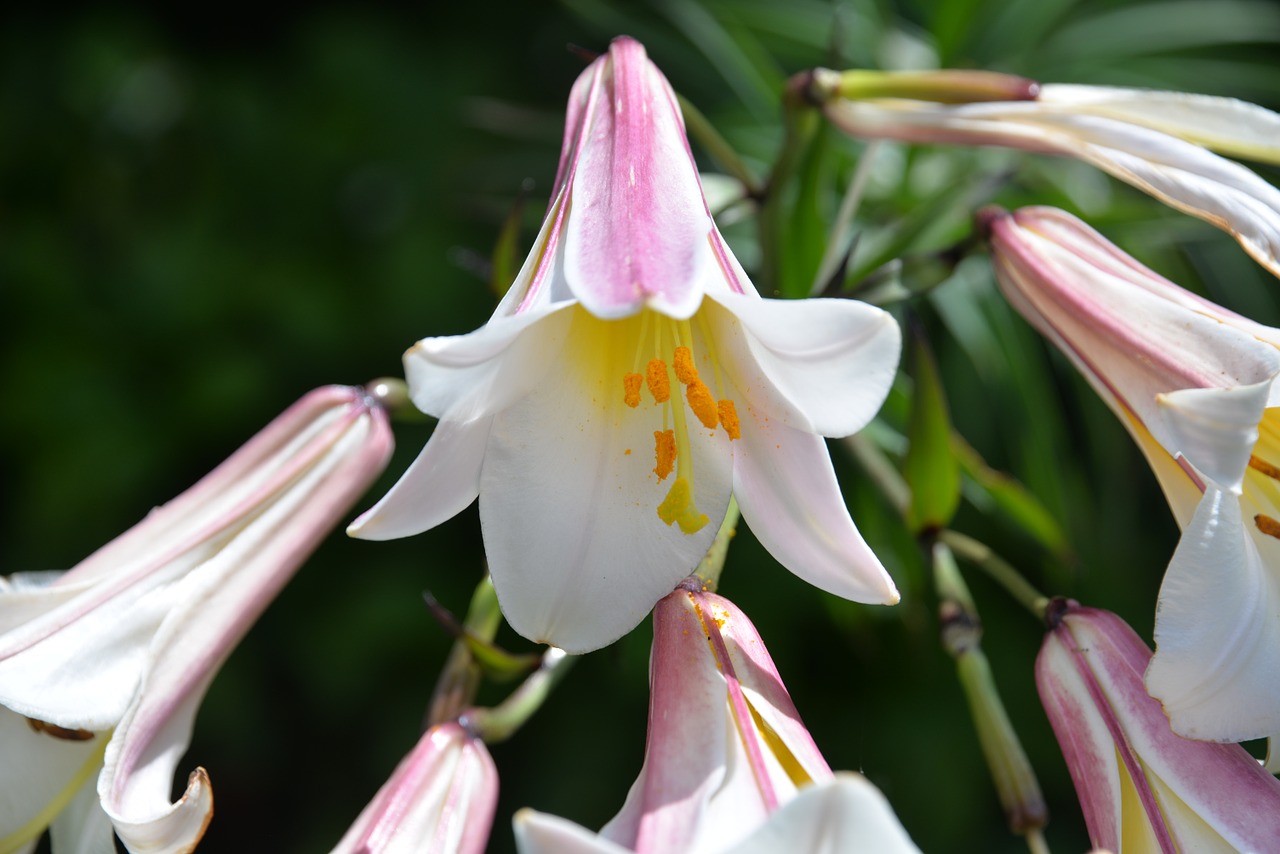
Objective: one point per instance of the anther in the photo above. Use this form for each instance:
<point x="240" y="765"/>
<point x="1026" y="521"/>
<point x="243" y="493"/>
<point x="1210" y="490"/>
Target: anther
<point x="664" y="443"/>
<point x="658" y="381"/>
<point x="729" y="418"/>
<point x="702" y="403"/>
<point x="686" y="371"/>
<point x="59" y="732"/>
<point x="1265" y="467"/>
<point x="631" y="389"/>
<point x="1265" y="524"/>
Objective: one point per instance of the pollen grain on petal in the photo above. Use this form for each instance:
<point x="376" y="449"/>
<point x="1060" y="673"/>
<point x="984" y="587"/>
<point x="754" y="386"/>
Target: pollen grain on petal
<point x="658" y="381"/>
<point x="729" y="418"/>
<point x="702" y="403"/>
<point x="664" y="442"/>
<point x="1267" y="525"/>
<point x="686" y="371"/>
<point x="631" y="389"/>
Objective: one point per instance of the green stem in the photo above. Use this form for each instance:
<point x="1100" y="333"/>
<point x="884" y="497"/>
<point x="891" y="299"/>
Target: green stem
<point x="708" y="571"/>
<point x="800" y="122"/>
<point x="501" y="721"/>
<point x="718" y="147"/>
<point x="1036" y="843"/>
<point x="460" y="679"/>
<point x="998" y="570"/>
<point x="876" y="464"/>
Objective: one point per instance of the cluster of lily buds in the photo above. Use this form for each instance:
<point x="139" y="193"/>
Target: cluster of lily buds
<point x="633" y="372"/>
<point x="729" y="766"/>
<point x="103" y="667"/>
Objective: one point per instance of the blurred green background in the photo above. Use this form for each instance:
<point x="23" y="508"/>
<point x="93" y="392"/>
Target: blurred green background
<point x="203" y="216"/>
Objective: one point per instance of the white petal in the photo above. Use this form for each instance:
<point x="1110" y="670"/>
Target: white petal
<point x="83" y="827"/>
<point x="465" y="377"/>
<point x="845" y="814"/>
<point x="1215" y="428"/>
<point x="788" y="492"/>
<point x="568" y="500"/>
<point x="438" y="485"/>
<point x="39" y="777"/>
<point x="540" y="833"/>
<point x="1217" y="663"/>
<point x="1228" y="125"/>
<point x="788" y="355"/>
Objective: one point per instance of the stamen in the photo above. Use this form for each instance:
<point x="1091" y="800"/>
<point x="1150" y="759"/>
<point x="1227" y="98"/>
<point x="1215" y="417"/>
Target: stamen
<point x="1265" y="524"/>
<point x="658" y="381"/>
<point x="631" y="389"/>
<point x="686" y="372"/>
<point x="729" y="418"/>
<point x="664" y="442"/>
<point x="1256" y="462"/>
<point x="58" y="731"/>
<point x="678" y="507"/>
<point x="701" y="402"/>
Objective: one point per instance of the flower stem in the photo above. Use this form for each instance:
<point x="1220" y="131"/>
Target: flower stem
<point x="998" y="570"/>
<point x="1036" y="843"/>
<point x="456" y="687"/>
<point x="718" y="147"/>
<point x="708" y="571"/>
<point x="501" y="721"/>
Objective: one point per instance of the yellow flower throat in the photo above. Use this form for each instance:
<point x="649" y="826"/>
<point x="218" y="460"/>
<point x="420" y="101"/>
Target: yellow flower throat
<point x="659" y="376"/>
<point x="1262" y="480"/>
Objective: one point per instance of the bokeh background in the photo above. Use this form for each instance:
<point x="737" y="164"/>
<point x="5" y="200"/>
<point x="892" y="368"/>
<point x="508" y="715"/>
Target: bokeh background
<point x="203" y="215"/>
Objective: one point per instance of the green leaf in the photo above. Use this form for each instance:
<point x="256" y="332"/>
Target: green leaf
<point x="930" y="468"/>
<point x="988" y="487"/>
<point x="505" y="263"/>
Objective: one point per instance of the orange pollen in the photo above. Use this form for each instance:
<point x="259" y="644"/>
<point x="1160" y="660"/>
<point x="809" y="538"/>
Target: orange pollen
<point x="686" y="372"/>
<point x="664" y="444"/>
<point x="1259" y="464"/>
<point x="631" y="389"/>
<point x="1267" y="525"/>
<point x="702" y="403"/>
<point x="729" y="418"/>
<point x="657" y="380"/>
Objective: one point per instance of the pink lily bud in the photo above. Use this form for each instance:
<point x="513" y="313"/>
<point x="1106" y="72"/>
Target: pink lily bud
<point x="110" y="660"/>
<point x="1195" y="385"/>
<point x="440" y="799"/>
<point x="729" y="765"/>
<point x="629" y="382"/>
<point x="1141" y="786"/>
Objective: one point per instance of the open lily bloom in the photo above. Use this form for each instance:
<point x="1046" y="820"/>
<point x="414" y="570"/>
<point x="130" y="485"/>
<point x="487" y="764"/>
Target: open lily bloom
<point x="1195" y="386"/>
<point x="728" y="767"/>
<point x="629" y="381"/>
<point x="440" y="799"/>
<point x="108" y="662"/>
<point x="1142" y="787"/>
<point x="1157" y="141"/>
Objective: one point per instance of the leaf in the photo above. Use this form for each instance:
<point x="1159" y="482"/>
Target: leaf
<point x="930" y="467"/>
<point x="987" y="486"/>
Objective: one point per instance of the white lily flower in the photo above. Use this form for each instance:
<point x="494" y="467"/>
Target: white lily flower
<point x="1195" y="386"/>
<point x="629" y="381"/>
<point x="728" y="767"/>
<point x="1156" y="141"/>
<point x="108" y="662"/>
<point x="440" y="799"/>
<point x="1141" y="786"/>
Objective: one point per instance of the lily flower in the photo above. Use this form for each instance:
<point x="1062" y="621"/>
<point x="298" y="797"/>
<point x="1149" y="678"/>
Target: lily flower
<point x="1141" y="786"/>
<point x="1157" y="141"/>
<point x="108" y="661"/>
<point x="441" y="799"/>
<point x="630" y="380"/>
<point x="728" y="767"/>
<point x="1195" y="386"/>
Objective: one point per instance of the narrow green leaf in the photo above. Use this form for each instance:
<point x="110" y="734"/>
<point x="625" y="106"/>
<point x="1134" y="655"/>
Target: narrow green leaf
<point x="989" y="487"/>
<point x="507" y="256"/>
<point x="930" y="467"/>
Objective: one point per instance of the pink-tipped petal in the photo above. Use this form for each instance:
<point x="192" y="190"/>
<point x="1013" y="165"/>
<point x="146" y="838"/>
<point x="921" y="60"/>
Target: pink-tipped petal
<point x="638" y="228"/>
